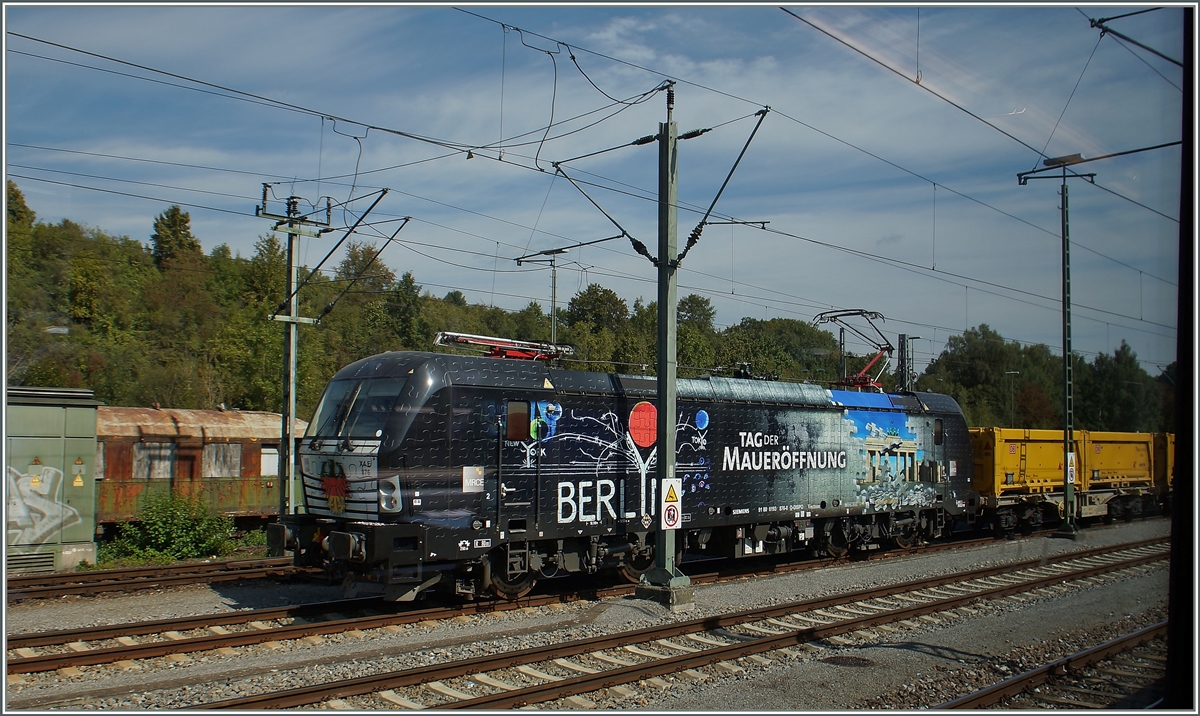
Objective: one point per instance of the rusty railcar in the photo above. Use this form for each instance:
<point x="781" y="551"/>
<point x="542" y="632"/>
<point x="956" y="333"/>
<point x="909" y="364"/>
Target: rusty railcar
<point x="229" y="459"/>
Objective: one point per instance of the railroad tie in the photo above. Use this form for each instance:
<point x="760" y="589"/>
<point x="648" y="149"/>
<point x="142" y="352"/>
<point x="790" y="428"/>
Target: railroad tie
<point x="1138" y="664"/>
<point x="394" y="698"/>
<point x="856" y="610"/>
<point x="79" y="646"/>
<point x="677" y="647"/>
<point x="618" y="691"/>
<point x="693" y="675"/>
<point x="339" y="705"/>
<point x="762" y="630"/>
<point x="810" y="620"/>
<point x="530" y="671"/>
<point x="576" y="666"/>
<point x="949" y="591"/>
<point x="444" y="690"/>
<point x="490" y="681"/>
<point x="1088" y="692"/>
<point x="612" y="659"/>
<point x="174" y="635"/>
<point x="634" y="649"/>
<point x="1068" y="702"/>
<point x="218" y="630"/>
<point x="706" y="640"/>
<point x="1127" y="674"/>
<point x="26" y="653"/>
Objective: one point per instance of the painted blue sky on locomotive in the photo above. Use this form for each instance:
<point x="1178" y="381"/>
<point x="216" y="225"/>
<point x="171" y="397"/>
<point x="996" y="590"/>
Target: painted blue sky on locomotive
<point x="419" y="437"/>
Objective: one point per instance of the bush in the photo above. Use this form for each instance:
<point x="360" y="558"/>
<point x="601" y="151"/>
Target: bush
<point x="169" y="527"/>
<point x="254" y="538"/>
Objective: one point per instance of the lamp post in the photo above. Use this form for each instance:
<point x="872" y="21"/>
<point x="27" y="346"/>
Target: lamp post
<point x="1012" y="403"/>
<point x="1068" y="527"/>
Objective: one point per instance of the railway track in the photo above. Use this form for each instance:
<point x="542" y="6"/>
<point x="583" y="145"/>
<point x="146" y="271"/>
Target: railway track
<point x="44" y="586"/>
<point x="1124" y="673"/>
<point x="53" y="650"/>
<point x="611" y="663"/>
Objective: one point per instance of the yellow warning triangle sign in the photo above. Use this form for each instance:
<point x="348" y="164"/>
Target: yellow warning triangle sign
<point x="671" y="496"/>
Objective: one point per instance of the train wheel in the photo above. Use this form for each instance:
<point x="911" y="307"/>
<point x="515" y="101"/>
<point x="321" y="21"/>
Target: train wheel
<point x="633" y="569"/>
<point x="515" y="588"/>
<point x="905" y="539"/>
<point x="506" y="587"/>
<point x="835" y="543"/>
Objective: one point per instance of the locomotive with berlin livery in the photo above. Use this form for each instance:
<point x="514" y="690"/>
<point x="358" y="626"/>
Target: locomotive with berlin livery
<point x="483" y="473"/>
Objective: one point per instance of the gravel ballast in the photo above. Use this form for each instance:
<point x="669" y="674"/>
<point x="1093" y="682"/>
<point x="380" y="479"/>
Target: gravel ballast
<point x="911" y="668"/>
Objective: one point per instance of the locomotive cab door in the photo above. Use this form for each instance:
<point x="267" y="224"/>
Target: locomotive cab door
<point x="520" y="456"/>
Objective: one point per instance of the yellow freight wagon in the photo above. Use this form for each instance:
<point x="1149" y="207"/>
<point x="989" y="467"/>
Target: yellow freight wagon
<point x="1118" y="474"/>
<point x="1019" y="474"/>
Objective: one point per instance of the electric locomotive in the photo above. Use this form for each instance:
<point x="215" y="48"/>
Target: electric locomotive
<point x="483" y="473"/>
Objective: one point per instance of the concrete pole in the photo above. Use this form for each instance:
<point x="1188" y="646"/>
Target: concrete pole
<point x="287" y="459"/>
<point x="665" y="582"/>
<point x="1068" y="527"/>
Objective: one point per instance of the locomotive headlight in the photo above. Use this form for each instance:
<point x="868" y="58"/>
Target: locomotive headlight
<point x="389" y="495"/>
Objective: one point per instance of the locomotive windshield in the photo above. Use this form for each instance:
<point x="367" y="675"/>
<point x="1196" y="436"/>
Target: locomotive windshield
<point x="355" y="408"/>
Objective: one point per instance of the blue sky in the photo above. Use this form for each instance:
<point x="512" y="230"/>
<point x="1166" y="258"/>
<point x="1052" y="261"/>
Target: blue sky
<point x="879" y="194"/>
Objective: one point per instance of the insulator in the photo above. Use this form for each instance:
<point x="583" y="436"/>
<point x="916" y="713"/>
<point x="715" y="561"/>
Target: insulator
<point x="671" y="96"/>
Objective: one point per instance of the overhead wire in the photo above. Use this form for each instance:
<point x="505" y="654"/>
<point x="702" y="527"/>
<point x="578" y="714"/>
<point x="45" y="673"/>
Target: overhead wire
<point x="1068" y="102"/>
<point x="535" y="158"/>
<point x="707" y="88"/>
<point x="957" y="106"/>
<point x="908" y="266"/>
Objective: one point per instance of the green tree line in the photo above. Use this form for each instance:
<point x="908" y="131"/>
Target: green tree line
<point x="164" y="323"/>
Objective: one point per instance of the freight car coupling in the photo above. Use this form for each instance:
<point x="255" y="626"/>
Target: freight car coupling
<point x="472" y="474"/>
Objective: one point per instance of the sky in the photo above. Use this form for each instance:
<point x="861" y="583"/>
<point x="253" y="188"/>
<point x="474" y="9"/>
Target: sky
<point x="883" y="177"/>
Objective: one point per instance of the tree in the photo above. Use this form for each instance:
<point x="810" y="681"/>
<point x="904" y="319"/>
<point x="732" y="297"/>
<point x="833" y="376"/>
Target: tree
<point x="361" y="265"/>
<point x="696" y="311"/>
<point x="531" y="324"/>
<point x="455" y="298"/>
<point x="1115" y="393"/>
<point x="172" y="236"/>
<point x="598" y="306"/>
